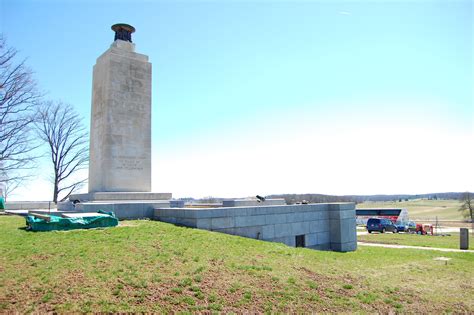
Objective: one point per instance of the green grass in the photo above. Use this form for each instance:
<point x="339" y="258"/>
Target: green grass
<point x="448" y="241"/>
<point x="422" y="208"/>
<point x="147" y="266"/>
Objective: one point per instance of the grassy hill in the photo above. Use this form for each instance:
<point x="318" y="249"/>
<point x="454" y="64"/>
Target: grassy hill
<point x="154" y="266"/>
<point x="422" y="208"/>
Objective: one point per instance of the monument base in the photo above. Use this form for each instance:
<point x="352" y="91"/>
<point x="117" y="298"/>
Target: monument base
<point x="126" y="209"/>
<point x="125" y="205"/>
<point x="119" y="196"/>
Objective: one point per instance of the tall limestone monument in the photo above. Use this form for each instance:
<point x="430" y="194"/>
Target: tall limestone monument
<point x="120" y="136"/>
<point x="120" y="143"/>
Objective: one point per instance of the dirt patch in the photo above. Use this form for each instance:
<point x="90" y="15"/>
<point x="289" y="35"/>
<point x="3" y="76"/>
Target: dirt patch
<point x="41" y="256"/>
<point x="128" y="224"/>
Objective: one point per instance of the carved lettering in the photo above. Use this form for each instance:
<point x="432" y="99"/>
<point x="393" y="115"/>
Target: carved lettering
<point x="129" y="162"/>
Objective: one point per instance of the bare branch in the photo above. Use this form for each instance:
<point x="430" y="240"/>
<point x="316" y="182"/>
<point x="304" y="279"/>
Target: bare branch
<point x="61" y="128"/>
<point x="18" y="100"/>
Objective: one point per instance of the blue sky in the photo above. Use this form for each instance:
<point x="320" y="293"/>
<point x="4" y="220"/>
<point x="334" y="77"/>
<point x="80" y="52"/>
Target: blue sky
<point x="354" y="97"/>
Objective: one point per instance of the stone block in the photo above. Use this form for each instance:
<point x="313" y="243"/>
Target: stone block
<point x="167" y="219"/>
<point x="268" y="231"/>
<point x="222" y="223"/>
<point x="29" y="205"/>
<point x="311" y="239"/>
<point x="186" y="222"/>
<point x="147" y="212"/>
<point x="283" y="230"/>
<point x="185" y="213"/>
<point x="318" y="226"/>
<point x="66" y="206"/>
<point x="120" y="196"/>
<point x="223" y="212"/>
<point x="321" y="247"/>
<point x="240" y="212"/>
<point x="311" y="216"/>
<point x="299" y="228"/>
<point x="94" y="207"/>
<point x="341" y="206"/>
<point x="180" y="213"/>
<point x="252" y="202"/>
<point x="323" y="238"/>
<point x="290" y="208"/>
<point x="156" y="203"/>
<point x="256" y="210"/>
<point x="207" y="213"/>
<point x="250" y="220"/>
<point x="129" y="210"/>
<point x="275" y="218"/>
<point x="295" y="217"/>
<point x="159" y="212"/>
<point x="278" y="209"/>
<point x="343" y="230"/>
<point x="203" y="224"/>
<point x="324" y="215"/>
<point x="344" y="247"/>
<point x="343" y="214"/>
<point x="305" y="208"/>
<point x="250" y="231"/>
<point x="177" y="213"/>
<point x="319" y="206"/>
<point x="177" y="203"/>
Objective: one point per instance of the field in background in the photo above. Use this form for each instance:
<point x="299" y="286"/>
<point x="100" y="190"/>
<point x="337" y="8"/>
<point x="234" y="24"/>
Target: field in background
<point x="145" y="266"/>
<point x="422" y="209"/>
<point x="448" y="241"/>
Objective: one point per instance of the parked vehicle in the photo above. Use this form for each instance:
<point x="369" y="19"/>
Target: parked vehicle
<point x="411" y="227"/>
<point x="381" y="225"/>
<point x="424" y="229"/>
<point x="401" y="227"/>
<point x="408" y="227"/>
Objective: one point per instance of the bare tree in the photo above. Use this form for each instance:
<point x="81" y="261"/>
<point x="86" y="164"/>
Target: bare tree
<point x="18" y="100"/>
<point x="467" y="207"/>
<point x="12" y="184"/>
<point x="62" y="129"/>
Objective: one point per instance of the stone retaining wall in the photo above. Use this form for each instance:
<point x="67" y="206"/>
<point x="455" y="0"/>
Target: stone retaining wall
<point x="29" y="205"/>
<point x="322" y="226"/>
<point x="124" y="209"/>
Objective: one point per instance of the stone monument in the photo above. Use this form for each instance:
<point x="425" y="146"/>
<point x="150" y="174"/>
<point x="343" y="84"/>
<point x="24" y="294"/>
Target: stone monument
<point x="120" y="135"/>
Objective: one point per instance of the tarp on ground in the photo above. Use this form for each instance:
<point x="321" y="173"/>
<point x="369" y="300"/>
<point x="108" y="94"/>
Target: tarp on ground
<point x="57" y="223"/>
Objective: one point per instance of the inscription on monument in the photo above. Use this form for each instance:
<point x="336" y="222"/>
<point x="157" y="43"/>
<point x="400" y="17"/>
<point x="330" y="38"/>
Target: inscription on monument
<point x="129" y="162"/>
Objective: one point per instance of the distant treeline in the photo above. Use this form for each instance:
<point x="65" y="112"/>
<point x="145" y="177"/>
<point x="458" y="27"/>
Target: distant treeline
<point x="317" y="198"/>
<point x="320" y="198"/>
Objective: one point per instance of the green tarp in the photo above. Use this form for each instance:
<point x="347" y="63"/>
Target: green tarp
<point x="2" y="203"/>
<point x="57" y="223"/>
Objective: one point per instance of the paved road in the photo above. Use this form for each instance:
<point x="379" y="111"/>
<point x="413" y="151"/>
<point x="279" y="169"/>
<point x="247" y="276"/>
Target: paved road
<point x="415" y="247"/>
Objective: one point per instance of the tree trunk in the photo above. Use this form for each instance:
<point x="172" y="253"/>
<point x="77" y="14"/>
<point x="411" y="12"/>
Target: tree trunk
<point x="55" y="192"/>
